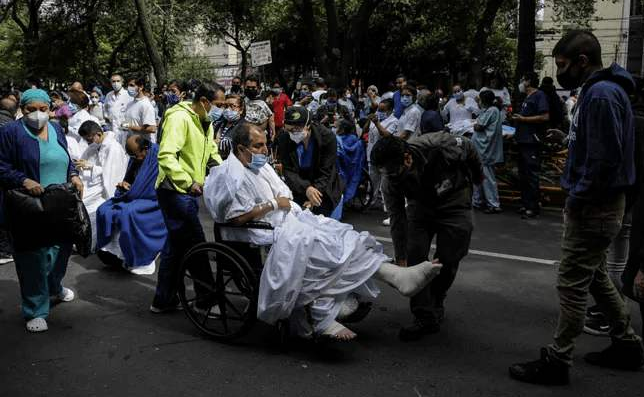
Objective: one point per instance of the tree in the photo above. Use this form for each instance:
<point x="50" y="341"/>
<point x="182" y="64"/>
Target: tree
<point x="150" y="42"/>
<point x="526" y="48"/>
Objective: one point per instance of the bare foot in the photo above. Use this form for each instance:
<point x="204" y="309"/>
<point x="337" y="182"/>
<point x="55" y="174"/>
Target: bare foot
<point x="339" y="332"/>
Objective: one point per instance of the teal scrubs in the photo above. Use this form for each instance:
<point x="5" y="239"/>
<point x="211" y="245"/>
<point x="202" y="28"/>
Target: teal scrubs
<point x="41" y="271"/>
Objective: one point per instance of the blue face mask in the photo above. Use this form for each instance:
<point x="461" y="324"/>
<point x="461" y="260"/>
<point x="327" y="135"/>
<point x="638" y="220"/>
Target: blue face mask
<point x="72" y="107"/>
<point x="381" y="115"/>
<point x="215" y="114"/>
<point x="172" y="99"/>
<point x="231" y="115"/>
<point x="257" y="161"/>
<point x="406" y="100"/>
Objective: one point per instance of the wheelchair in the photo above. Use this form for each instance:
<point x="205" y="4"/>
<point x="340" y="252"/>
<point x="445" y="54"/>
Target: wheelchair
<point x="219" y="284"/>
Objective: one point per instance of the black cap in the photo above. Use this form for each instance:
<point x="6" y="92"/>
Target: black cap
<point x="297" y="115"/>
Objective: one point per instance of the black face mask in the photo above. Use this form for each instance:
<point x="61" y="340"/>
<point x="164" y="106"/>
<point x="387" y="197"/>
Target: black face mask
<point x="569" y="80"/>
<point x="251" y="93"/>
<point x="235" y="88"/>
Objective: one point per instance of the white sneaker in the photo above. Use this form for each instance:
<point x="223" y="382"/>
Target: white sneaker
<point x="37" y="325"/>
<point x="4" y="259"/>
<point x="66" y="295"/>
<point x="386" y="222"/>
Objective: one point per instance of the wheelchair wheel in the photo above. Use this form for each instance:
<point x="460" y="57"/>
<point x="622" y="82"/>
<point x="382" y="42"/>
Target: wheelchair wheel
<point x="364" y="194"/>
<point x="218" y="291"/>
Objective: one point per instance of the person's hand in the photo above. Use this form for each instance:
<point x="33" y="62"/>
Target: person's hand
<point x="373" y="118"/>
<point x="52" y="115"/>
<point x="78" y="184"/>
<point x="82" y="164"/>
<point x="196" y="189"/>
<point x="517" y="117"/>
<point x="401" y="262"/>
<point x="123" y="185"/>
<point x="638" y="286"/>
<point x="33" y="187"/>
<point x="324" y="120"/>
<point x="307" y="205"/>
<point x="314" y="196"/>
<point x="283" y="203"/>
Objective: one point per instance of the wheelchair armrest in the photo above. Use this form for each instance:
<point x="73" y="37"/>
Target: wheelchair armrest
<point x="247" y="225"/>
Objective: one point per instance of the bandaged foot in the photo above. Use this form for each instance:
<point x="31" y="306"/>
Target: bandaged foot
<point x="408" y="280"/>
<point x="338" y="332"/>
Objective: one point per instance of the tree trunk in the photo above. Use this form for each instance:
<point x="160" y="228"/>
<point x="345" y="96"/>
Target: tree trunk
<point x="316" y="42"/>
<point x="332" y="47"/>
<point x="150" y="43"/>
<point x="244" y="63"/>
<point x="479" y="44"/>
<point x="526" y="50"/>
<point x="354" y="38"/>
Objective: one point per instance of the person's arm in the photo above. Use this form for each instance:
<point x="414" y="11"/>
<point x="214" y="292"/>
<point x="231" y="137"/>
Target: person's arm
<point x="260" y="210"/>
<point x="483" y="121"/>
<point x="378" y="125"/>
<point x="174" y="138"/>
<point x="395" y="202"/>
<point x="149" y="119"/>
<point x="10" y="178"/>
<point x="604" y="148"/>
<point x="538" y="119"/>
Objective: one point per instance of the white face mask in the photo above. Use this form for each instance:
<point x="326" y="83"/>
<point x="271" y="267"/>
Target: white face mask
<point x="37" y="119"/>
<point x="296" y="136"/>
<point x="133" y="91"/>
<point x="522" y="87"/>
<point x="117" y="86"/>
<point x="94" y="101"/>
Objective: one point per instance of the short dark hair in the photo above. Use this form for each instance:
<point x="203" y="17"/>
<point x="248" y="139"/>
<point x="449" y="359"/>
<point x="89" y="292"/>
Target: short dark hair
<point x="252" y="78"/>
<point x="428" y="101"/>
<point x="240" y="134"/>
<point x="346" y="127"/>
<point x="389" y="152"/>
<point x="139" y="81"/>
<point x="487" y="97"/>
<point x="206" y="90"/>
<point x="401" y="76"/>
<point x="389" y="103"/>
<point x="89" y="128"/>
<point x="533" y="78"/>
<point x="78" y="98"/>
<point x="578" y="42"/>
<point x="409" y="88"/>
<point x="331" y="92"/>
<point x="142" y="143"/>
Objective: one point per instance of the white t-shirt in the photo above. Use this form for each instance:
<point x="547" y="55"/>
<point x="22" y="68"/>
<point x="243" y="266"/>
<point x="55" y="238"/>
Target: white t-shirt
<point x="114" y="107"/>
<point x="390" y="124"/>
<point x="140" y="112"/>
<point x="410" y="120"/>
<point x="457" y="112"/>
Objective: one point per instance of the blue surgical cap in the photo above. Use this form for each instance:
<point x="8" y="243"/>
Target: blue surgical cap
<point x="34" y="95"/>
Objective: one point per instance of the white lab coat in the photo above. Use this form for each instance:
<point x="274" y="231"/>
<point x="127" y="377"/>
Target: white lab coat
<point x="313" y="261"/>
<point x="108" y="163"/>
<point x="76" y="145"/>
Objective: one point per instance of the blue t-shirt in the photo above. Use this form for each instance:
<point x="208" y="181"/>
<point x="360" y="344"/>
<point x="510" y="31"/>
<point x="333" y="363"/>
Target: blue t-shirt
<point x="431" y="121"/>
<point x="54" y="161"/>
<point x="533" y="105"/>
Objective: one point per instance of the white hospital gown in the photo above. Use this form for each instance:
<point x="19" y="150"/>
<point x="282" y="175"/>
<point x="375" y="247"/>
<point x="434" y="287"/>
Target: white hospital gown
<point x="313" y="261"/>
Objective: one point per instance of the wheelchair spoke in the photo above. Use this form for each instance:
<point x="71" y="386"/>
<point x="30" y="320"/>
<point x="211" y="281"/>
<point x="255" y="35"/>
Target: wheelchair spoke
<point x="207" y="286"/>
<point x="232" y="306"/>
<point x="200" y="298"/>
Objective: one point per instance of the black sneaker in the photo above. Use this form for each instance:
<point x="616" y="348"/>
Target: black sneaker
<point x="596" y="325"/>
<point x="544" y="371"/>
<point x="626" y="355"/>
<point x="492" y="210"/>
<point x="521" y="210"/>
<point x="529" y="214"/>
<point x="417" y="330"/>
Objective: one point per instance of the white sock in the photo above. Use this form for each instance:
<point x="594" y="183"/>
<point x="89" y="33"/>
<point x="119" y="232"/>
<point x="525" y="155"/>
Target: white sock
<point x="408" y="280"/>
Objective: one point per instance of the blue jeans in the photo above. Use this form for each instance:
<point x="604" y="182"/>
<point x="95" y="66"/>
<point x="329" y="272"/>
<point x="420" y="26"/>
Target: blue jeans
<point x="40" y="273"/>
<point x="181" y="215"/>
<point x="487" y="192"/>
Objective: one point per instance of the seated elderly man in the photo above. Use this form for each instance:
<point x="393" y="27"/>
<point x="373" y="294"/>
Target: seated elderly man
<point x="130" y="225"/>
<point x="314" y="262"/>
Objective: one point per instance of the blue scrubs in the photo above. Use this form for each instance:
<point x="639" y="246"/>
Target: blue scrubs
<point x="41" y="271"/>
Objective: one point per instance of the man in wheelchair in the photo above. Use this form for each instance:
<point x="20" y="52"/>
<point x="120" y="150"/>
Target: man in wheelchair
<point x="315" y="264"/>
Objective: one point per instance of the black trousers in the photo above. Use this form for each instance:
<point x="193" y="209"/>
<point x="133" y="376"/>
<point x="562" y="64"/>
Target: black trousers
<point x="453" y="231"/>
<point x="5" y="243"/>
<point x="529" y="168"/>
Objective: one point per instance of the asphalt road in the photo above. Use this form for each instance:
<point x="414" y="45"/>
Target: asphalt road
<point x="500" y="311"/>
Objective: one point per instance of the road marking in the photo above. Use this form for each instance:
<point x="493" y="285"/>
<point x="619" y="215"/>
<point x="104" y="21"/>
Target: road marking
<point x="548" y="262"/>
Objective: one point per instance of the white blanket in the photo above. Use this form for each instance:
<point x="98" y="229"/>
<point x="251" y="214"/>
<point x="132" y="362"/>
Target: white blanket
<point x="313" y="261"/>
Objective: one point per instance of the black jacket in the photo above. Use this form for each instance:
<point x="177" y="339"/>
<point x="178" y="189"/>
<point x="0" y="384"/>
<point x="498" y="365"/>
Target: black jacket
<point x="6" y="117"/>
<point x="323" y="174"/>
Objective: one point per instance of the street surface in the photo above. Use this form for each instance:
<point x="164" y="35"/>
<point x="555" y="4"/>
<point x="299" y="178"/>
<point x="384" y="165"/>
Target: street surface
<point x="499" y="311"/>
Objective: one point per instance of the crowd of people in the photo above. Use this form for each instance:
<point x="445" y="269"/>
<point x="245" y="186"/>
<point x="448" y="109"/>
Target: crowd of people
<point x="142" y="162"/>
